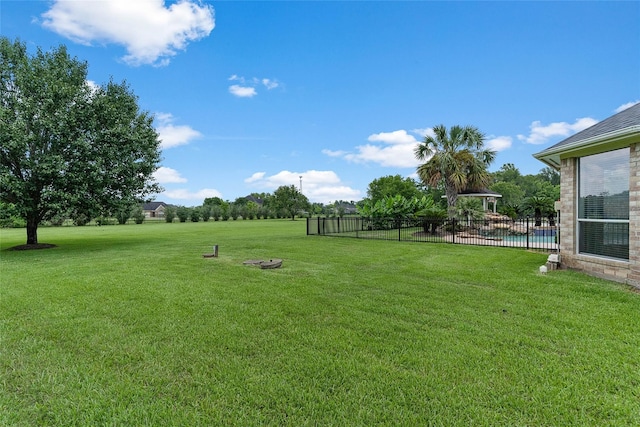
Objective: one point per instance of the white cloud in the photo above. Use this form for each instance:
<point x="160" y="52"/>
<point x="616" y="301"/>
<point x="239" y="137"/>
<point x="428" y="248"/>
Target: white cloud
<point x="540" y="133"/>
<point x="318" y="186"/>
<point x="499" y="143"/>
<point x="171" y="135"/>
<point x="423" y="132"/>
<point x="187" y="195"/>
<point x="627" y="105"/>
<point x="397" y="149"/>
<point x="398" y="156"/>
<point x="394" y="149"/>
<point x="270" y="84"/>
<point x="166" y="175"/>
<point x="331" y="153"/>
<point x="150" y="32"/>
<point x="328" y="194"/>
<point x="395" y="137"/>
<point x="247" y="88"/>
<point x="242" y="91"/>
<point x="255" y="177"/>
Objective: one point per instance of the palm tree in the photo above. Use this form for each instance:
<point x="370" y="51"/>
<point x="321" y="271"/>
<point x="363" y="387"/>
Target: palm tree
<point x="541" y="206"/>
<point x="457" y="159"/>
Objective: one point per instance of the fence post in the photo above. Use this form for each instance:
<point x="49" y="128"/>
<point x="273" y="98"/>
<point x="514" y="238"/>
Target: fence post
<point x="527" y="232"/>
<point x="399" y="230"/>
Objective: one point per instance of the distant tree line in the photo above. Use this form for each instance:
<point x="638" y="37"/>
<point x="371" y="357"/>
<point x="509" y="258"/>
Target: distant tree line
<point x="522" y="195"/>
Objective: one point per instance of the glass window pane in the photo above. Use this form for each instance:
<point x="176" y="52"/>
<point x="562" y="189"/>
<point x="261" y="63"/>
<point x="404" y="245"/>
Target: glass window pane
<point x="604" y="239"/>
<point x="604" y="186"/>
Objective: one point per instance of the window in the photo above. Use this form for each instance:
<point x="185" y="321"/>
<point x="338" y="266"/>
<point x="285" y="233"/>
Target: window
<point x="603" y="204"/>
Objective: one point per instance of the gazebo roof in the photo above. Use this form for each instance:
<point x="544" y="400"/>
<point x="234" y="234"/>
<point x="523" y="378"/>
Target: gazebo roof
<point x="479" y="193"/>
<point x="486" y="195"/>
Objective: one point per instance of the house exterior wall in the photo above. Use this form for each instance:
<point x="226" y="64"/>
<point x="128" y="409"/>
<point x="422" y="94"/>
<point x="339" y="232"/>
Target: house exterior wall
<point x="158" y="213"/>
<point x="634" y="215"/>
<point x="621" y="271"/>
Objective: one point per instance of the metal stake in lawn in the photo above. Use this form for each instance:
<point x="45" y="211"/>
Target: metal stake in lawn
<point x="214" y="254"/>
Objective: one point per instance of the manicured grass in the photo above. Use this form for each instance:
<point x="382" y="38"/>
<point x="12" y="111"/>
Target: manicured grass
<point x="129" y="325"/>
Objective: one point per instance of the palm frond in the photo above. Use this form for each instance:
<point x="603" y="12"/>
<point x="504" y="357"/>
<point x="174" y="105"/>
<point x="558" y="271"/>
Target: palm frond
<point x="456" y="157"/>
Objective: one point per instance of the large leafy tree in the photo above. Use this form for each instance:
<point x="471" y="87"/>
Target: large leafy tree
<point x="526" y="193"/>
<point x="391" y="186"/>
<point x="550" y="175"/>
<point x="67" y="146"/>
<point x="455" y="158"/>
<point x="508" y="173"/>
<point x="289" y="199"/>
<point x="512" y="194"/>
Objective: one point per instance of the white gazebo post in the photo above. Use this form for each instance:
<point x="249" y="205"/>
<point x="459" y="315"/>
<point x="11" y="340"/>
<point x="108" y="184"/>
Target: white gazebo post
<point x="494" y="201"/>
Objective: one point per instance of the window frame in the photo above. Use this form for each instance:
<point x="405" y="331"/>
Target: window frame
<point x="581" y="218"/>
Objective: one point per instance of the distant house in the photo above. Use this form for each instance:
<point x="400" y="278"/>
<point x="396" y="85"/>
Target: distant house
<point x="600" y="197"/>
<point x="256" y="200"/>
<point x="154" y="209"/>
<point x="346" y="208"/>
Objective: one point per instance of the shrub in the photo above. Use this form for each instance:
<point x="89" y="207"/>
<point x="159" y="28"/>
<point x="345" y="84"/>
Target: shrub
<point x="13" y="222"/>
<point x="124" y="213"/>
<point x="137" y="214"/>
<point x="101" y="220"/>
<point x="195" y="214"/>
<point x="183" y="213"/>
<point x="81" y="220"/>
<point x="57" y="220"/>
<point x="205" y="212"/>
<point x="216" y="212"/>
<point x="169" y="213"/>
<point x="234" y="211"/>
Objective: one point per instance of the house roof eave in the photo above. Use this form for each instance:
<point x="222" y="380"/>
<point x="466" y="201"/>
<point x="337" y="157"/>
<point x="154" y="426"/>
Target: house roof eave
<point x="618" y="139"/>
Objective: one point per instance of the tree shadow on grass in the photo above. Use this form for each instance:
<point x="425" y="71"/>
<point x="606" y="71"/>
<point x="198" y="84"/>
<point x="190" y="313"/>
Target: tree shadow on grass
<point x="32" y="247"/>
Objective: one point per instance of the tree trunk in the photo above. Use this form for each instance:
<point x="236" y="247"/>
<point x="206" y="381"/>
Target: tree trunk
<point x="538" y="217"/>
<point x="32" y="231"/>
<point x="452" y="198"/>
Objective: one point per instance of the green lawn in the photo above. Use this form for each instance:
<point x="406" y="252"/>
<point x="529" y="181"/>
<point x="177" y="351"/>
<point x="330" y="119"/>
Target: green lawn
<point x="130" y="326"/>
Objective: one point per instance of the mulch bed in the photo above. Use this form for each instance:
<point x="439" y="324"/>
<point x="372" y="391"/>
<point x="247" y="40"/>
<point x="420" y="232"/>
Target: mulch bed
<point x="32" y="247"/>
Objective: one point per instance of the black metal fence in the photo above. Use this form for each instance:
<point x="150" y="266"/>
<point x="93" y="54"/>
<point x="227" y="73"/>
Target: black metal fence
<point x="543" y="235"/>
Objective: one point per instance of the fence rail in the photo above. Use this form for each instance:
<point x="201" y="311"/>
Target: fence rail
<point x="543" y="235"/>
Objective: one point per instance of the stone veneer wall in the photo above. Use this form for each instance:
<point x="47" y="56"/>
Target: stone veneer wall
<point x="621" y="271"/>
<point x="568" y="178"/>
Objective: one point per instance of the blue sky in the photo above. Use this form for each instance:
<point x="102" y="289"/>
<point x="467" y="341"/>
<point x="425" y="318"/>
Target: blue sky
<point x="249" y="96"/>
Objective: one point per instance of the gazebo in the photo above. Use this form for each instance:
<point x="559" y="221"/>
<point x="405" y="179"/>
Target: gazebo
<point x="488" y="198"/>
